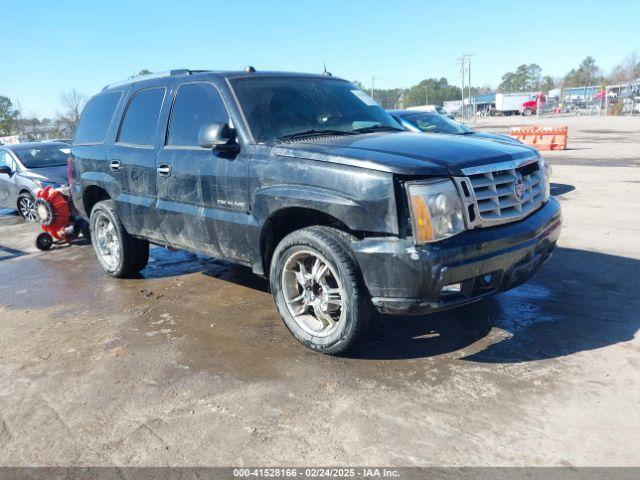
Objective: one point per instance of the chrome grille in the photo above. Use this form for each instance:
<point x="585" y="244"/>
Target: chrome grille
<point x="493" y="194"/>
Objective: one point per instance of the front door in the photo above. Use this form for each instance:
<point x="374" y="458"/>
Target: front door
<point x="132" y="162"/>
<point x="199" y="190"/>
<point x="7" y="183"/>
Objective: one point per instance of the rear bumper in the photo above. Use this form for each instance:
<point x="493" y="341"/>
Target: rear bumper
<point x="403" y="278"/>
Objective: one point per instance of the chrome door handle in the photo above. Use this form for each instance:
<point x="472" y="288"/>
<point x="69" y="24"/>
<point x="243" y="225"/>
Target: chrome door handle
<point x="115" y="165"/>
<point x="164" y="169"/>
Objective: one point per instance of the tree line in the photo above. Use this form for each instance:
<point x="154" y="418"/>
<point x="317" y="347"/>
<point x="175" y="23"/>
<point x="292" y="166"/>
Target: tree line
<point x="14" y="122"/>
<point x="525" y="78"/>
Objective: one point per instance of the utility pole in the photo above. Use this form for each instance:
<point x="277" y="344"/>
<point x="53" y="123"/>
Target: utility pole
<point x="468" y="57"/>
<point x="373" y="79"/>
<point x="426" y="95"/>
<point x="462" y="83"/>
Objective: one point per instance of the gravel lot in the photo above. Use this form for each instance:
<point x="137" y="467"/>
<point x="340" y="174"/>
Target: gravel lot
<point x="191" y="365"/>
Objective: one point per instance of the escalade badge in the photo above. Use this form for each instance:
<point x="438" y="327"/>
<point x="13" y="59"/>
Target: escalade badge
<point x="519" y="188"/>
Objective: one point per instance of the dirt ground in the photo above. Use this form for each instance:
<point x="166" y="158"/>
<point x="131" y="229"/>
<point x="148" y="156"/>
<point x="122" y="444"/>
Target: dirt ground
<point x="191" y="365"/>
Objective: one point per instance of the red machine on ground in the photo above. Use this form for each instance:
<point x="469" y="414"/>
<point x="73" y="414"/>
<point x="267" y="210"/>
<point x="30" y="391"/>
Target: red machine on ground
<point x="58" y="218"/>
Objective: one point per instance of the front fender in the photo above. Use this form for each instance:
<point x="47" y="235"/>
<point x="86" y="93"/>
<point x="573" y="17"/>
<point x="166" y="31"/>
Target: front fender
<point x="373" y="213"/>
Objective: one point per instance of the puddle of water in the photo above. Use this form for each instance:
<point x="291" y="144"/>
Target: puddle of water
<point x="522" y="307"/>
<point x="164" y="262"/>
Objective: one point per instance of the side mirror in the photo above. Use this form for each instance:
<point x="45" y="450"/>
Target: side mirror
<point x="6" y="170"/>
<point x="219" y="136"/>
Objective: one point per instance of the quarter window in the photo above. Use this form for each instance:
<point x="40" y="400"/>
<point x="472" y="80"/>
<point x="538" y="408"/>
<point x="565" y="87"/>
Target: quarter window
<point x="141" y="118"/>
<point x="196" y="104"/>
<point x="96" y="118"/>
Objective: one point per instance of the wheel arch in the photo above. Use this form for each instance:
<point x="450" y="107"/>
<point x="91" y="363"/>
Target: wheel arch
<point x="287" y="220"/>
<point x="91" y="195"/>
<point x="24" y="190"/>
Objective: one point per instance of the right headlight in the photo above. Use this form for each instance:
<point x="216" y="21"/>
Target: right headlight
<point x="546" y="169"/>
<point x="436" y="210"/>
<point x="44" y="183"/>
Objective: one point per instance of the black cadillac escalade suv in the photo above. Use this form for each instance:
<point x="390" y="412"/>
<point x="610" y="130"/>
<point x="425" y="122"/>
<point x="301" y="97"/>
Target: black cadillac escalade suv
<point x="309" y="182"/>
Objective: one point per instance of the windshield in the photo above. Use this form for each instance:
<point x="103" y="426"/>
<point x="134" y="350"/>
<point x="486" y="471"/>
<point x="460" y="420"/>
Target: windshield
<point x="42" y="156"/>
<point x="277" y="106"/>
<point x="435" y="123"/>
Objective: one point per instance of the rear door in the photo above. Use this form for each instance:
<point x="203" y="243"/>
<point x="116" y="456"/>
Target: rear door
<point x="199" y="197"/>
<point x="132" y="161"/>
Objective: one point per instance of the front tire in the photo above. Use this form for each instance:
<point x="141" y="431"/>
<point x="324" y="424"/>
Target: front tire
<point x="318" y="289"/>
<point x="119" y="254"/>
<point x="27" y="207"/>
<point x="527" y="112"/>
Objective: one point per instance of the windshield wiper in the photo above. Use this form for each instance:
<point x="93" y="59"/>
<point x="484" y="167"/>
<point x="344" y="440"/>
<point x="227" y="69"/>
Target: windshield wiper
<point x="312" y="133"/>
<point x="378" y="128"/>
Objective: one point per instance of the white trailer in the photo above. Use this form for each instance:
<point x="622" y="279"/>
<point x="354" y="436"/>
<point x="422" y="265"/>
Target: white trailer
<point x="511" y="103"/>
<point x="453" y="106"/>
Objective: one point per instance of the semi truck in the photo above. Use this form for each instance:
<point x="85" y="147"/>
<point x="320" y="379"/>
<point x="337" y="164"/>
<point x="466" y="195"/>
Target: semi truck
<point x="517" y="103"/>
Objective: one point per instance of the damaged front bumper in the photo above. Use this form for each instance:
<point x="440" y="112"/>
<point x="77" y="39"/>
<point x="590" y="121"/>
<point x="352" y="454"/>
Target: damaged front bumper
<point x="404" y="278"/>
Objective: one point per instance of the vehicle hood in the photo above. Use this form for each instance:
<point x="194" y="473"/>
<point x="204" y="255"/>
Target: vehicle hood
<point x="48" y="174"/>
<point x="406" y="153"/>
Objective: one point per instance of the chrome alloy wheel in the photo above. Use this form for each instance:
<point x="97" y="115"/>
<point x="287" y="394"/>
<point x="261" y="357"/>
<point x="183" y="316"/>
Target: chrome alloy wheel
<point x="106" y="241"/>
<point x="313" y="293"/>
<point x="27" y="209"/>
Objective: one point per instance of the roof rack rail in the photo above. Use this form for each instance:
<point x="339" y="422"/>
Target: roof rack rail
<point x="149" y="76"/>
<point x="180" y="71"/>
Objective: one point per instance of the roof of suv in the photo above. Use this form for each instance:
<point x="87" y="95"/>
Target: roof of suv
<point x="214" y="73"/>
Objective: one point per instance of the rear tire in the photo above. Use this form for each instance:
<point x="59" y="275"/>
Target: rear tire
<point x="319" y="291"/>
<point x="119" y="254"/>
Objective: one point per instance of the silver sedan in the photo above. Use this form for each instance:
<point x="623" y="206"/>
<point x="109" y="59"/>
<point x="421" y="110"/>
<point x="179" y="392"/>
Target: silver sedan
<point x="26" y="167"/>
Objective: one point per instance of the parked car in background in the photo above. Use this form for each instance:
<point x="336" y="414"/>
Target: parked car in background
<point x="428" y="122"/>
<point x="308" y="181"/>
<point x="25" y="167"/>
<point x="432" y="108"/>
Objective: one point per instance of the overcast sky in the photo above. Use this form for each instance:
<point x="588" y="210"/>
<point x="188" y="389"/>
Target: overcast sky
<point x="52" y="47"/>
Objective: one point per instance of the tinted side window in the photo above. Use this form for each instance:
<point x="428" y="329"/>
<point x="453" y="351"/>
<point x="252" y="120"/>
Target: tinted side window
<point x="141" y="118"/>
<point x="96" y="118"/>
<point x="3" y="159"/>
<point x="196" y="104"/>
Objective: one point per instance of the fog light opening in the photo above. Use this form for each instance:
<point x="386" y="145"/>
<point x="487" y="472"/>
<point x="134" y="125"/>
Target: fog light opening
<point x="452" y="288"/>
